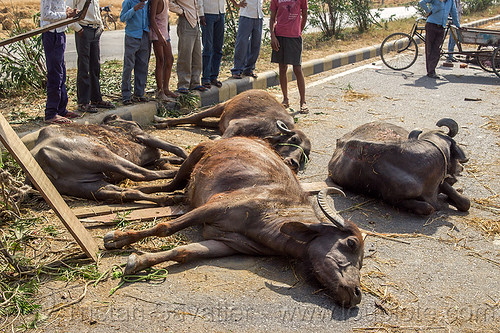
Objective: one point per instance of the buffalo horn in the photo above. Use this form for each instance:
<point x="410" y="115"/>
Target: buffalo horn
<point x="282" y="127"/>
<point x="451" y="124"/>
<point x="414" y="134"/>
<point x="328" y="210"/>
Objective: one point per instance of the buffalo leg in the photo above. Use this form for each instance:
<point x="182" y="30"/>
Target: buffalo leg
<point x="153" y="142"/>
<point x="117" y="239"/>
<point x="417" y="206"/>
<point x="461" y="202"/>
<point x="204" y="249"/>
<point x="196" y="118"/>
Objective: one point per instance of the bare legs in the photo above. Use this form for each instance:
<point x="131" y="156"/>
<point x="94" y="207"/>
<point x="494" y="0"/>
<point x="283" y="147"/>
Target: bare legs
<point x="163" y="70"/>
<point x="301" y="85"/>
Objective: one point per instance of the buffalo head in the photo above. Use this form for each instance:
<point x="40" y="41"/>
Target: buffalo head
<point x="292" y="145"/>
<point x="334" y="251"/>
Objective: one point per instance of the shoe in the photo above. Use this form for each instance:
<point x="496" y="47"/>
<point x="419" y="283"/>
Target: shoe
<point x="199" y="88"/>
<point x="216" y="83"/>
<point x="183" y="90"/>
<point x="251" y="74"/>
<point x="434" y="76"/>
<point x="207" y="85"/>
<point x="57" y="119"/>
<point x="452" y="59"/>
<point x="103" y="105"/>
<point x="140" y="99"/>
<point x="237" y="76"/>
<point x="71" y="115"/>
<point x="86" y="108"/>
<point x="127" y="102"/>
<point x="304" y="109"/>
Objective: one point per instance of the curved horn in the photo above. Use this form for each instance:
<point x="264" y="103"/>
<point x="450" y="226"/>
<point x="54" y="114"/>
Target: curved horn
<point x="282" y="127"/>
<point x="328" y="210"/>
<point x="451" y="124"/>
<point x="414" y="134"/>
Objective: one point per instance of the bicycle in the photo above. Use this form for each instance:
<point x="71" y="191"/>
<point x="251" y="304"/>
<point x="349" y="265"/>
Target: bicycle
<point x="108" y="20"/>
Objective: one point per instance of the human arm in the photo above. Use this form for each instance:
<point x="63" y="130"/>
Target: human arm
<point x="303" y="16"/>
<point x="153" y="9"/>
<point x="241" y="4"/>
<point x="424" y="5"/>
<point x="48" y="13"/>
<point x="174" y="7"/>
<point x="454" y="15"/>
<point x="128" y="11"/>
<point x="272" y="20"/>
<point x="201" y="12"/>
<point x="76" y="26"/>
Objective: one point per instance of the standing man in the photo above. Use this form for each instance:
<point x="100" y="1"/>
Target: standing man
<point x="87" y="38"/>
<point x="137" y="50"/>
<point x="212" y="36"/>
<point x="248" y="38"/>
<point x="288" y="19"/>
<point x="437" y="19"/>
<point x="189" y="45"/>
<point x="451" y="41"/>
<point x="54" y="44"/>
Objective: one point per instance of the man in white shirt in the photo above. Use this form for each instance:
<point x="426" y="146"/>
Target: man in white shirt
<point x="54" y="44"/>
<point x="248" y="38"/>
<point x="212" y="37"/>
<point x="87" y="37"/>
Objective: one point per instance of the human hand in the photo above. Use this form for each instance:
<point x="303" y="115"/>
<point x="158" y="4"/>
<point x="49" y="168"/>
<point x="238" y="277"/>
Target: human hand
<point x="70" y="12"/>
<point x="242" y="4"/>
<point x="203" y="22"/>
<point x="274" y="43"/>
<point x="140" y="5"/>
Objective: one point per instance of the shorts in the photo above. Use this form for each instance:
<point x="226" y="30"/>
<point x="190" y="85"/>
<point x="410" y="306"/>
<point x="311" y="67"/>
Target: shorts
<point x="290" y="52"/>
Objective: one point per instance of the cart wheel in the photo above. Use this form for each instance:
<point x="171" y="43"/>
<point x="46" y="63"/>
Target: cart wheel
<point x="485" y="54"/>
<point x="495" y="61"/>
<point x="399" y="51"/>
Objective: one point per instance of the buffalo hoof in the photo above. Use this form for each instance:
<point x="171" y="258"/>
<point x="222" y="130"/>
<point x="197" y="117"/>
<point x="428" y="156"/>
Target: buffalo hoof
<point x="115" y="240"/>
<point x="131" y="264"/>
<point x="462" y="203"/>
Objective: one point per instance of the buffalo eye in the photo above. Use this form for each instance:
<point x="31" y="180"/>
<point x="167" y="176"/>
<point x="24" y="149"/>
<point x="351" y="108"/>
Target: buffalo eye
<point x="351" y="243"/>
<point x="294" y="140"/>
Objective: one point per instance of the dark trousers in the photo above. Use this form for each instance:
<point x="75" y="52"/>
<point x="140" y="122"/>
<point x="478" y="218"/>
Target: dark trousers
<point x="54" y="44"/>
<point x="434" y="35"/>
<point x="89" y="68"/>
<point x="212" y="38"/>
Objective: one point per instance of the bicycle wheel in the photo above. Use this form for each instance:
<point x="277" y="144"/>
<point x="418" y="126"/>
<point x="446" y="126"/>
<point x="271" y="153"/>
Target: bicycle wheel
<point x="495" y="61"/>
<point x="399" y="51"/>
<point x="485" y="54"/>
<point x="109" y="22"/>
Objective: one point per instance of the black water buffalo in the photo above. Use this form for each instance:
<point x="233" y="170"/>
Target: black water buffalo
<point x="87" y="160"/>
<point x="250" y="202"/>
<point x="254" y="113"/>
<point x="408" y="170"/>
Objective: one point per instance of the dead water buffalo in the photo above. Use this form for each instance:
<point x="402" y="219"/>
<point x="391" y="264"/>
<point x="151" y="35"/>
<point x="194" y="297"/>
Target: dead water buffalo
<point x="85" y="160"/>
<point x="254" y="113"/>
<point x="250" y="202"/>
<point x="408" y="170"/>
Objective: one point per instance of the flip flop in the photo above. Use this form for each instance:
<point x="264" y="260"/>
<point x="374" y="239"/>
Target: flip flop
<point x="251" y="74"/>
<point x="199" y="88"/>
<point x="207" y="85"/>
<point x="304" y="109"/>
<point x="237" y="76"/>
<point x="71" y="115"/>
<point x="57" y="119"/>
<point x="216" y="83"/>
<point x="87" y="108"/>
<point x="183" y="90"/>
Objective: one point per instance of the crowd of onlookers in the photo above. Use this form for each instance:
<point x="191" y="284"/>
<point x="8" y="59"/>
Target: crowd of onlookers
<point x="200" y="29"/>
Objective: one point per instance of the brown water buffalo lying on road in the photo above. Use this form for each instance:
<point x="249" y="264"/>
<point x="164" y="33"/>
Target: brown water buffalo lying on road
<point x="84" y="160"/>
<point x="250" y="202"/>
<point x="254" y="113"/>
<point x="408" y="170"/>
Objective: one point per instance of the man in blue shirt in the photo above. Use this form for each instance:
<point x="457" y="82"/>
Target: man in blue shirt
<point x="437" y="18"/>
<point x="137" y="49"/>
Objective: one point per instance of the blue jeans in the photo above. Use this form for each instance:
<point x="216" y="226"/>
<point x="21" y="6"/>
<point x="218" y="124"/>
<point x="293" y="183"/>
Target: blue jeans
<point x="136" y="58"/>
<point x="451" y="46"/>
<point x="247" y="48"/>
<point x="212" y="38"/>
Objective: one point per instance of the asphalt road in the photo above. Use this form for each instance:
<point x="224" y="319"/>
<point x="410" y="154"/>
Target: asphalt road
<point x="112" y="42"/>
<point x="442" y="277"/>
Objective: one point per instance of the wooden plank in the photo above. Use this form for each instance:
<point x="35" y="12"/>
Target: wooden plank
<point x="146" y="214"/>
<point x="315" y="187"/>
<point x="48" y="27"/>
<point x="39" y="179"/>
<point x="113" y="208"/>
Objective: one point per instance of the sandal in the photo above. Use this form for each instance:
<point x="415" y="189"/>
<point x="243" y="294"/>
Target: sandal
<point x="237" y="76"/>
<point x="199" y="88"/>
<point x="183" y="90"/>
<point x="216" y="83"/>
<point x="103" y="105"/>
<point x="71" y="115"/>
<point x="57" y="119"/>
<point x="251" y="74"/>
<point x="140" y="99"/>
<point x="304" y="109"/>
<point x="127" y="102"/>
<point x="86" y="108"/>
<point x="207" y="85"/>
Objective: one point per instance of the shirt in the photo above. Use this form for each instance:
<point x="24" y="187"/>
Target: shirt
<point x="137" y="21"/>
<point x="212" y="7"/>
<point x="288" y="17"/>
<point x="440" y="10"/>
<point x="253" y="9"/>
<point x="52" y="11"/>
<point x="93" y="16"/>
<point x="190" y="8"/>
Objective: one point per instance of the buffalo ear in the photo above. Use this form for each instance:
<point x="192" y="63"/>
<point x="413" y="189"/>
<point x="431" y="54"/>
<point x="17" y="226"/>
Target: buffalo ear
<point x="304" y="232"/>
<point x="274" y="139"/>
<point x="458" y="153"/>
